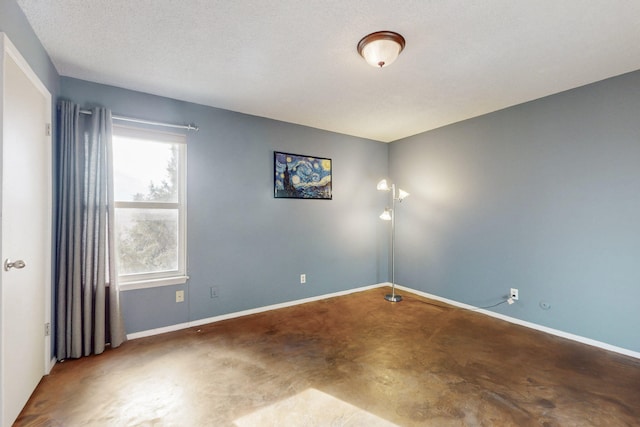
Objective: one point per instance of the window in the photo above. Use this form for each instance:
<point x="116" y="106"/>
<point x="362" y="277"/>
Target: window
<point x="149" y="169"/>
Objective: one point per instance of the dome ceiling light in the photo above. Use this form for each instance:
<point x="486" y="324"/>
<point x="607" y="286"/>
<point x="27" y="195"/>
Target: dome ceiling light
<point x="381" y="48"/>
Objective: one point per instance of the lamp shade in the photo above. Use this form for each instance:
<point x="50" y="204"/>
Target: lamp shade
<point x="381" y="48"/>
<point x="386" y="215"/>
<point x="402" y="194"/>
<point x="383" y="186"/>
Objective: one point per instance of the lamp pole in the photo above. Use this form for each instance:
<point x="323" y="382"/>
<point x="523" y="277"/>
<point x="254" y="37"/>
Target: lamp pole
<point x="390" y="215"/>
<point x="392" y="297"/>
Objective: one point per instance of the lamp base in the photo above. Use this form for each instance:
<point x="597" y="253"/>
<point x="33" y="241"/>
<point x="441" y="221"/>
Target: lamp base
<point x="393" y="298"/>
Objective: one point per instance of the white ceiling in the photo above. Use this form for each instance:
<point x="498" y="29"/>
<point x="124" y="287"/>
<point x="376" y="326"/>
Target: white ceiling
<point x="296" y="60"/>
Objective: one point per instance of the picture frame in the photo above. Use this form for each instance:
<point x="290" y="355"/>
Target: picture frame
<point x="298" y="176"/>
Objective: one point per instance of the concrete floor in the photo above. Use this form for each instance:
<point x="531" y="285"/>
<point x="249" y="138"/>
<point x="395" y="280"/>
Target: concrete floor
<point x="355" y="360"/>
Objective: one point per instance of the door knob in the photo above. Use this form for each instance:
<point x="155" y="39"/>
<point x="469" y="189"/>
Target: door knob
<point x="8" y="265"/>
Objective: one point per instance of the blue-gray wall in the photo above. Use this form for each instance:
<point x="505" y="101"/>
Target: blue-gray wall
<point x="544" y="197"/>
<point x="240" y="239"/>
<point x="15" y="25"/>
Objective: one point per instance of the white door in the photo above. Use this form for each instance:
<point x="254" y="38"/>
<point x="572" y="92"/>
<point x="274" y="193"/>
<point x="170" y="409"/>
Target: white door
<point x="26" y="232"/>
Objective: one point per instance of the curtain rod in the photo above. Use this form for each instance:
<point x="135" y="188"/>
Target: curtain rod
<point x="147" y="122"/>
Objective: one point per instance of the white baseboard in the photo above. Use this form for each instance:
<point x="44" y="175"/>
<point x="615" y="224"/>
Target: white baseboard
<point x="52" y="363"/>
<point x="509" y="319"/>
<point x="158" y="331"/>
<point x="214" y="319"/>
<point x="531" y="325"/>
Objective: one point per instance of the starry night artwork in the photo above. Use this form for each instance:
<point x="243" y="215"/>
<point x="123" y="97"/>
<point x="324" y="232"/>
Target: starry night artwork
<point x="301" y="177"/>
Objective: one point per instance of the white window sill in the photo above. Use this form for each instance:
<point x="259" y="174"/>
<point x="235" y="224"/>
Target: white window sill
<point x="153" y="283"/>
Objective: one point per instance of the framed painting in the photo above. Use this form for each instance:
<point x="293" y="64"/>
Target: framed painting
<point x="301" y="177"/>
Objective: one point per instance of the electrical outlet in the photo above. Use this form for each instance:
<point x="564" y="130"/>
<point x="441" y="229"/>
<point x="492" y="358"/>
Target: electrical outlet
<point x="215" y="292"/>
<point x="514" y="294"/>
<point x="303" y="278"/>
<point x="179" y="296"/>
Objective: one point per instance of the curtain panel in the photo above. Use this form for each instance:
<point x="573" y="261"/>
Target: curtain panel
<point x="88" y="314"/>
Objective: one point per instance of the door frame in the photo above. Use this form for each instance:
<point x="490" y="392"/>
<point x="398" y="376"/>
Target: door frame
<point x="7" y="48"/>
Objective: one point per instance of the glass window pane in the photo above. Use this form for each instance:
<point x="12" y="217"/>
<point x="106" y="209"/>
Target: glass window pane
<point x="145" y="170"/>
<point x="147" y="240"/>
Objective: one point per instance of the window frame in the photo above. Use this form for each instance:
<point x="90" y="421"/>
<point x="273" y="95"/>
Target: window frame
<point x="170" y="277"/>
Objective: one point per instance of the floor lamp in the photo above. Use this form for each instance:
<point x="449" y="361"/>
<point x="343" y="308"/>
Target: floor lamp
<point x="389" y="214"/>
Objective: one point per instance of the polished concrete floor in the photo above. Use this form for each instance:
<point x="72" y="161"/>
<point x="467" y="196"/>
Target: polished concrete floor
<point x="355" y="360"/>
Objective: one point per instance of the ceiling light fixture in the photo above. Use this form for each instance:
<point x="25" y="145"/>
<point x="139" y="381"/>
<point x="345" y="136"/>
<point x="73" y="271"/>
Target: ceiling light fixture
<point x="381" y="48"/>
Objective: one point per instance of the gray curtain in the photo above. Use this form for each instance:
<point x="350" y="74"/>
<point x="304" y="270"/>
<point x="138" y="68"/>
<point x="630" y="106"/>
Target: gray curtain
<point x="88" y="315"/>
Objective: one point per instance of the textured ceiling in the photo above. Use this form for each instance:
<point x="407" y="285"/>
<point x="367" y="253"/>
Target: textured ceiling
<point x="296" y="60"/>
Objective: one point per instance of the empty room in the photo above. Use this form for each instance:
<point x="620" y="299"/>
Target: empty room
<point x="304" y="213"/>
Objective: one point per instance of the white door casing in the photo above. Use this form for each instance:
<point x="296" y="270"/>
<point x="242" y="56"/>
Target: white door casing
<point x="25" y="230"/>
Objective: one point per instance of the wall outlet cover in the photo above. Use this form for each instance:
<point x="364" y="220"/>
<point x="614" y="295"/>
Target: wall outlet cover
<point x="179" y="296"/>
<point x="215" y="292"/>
